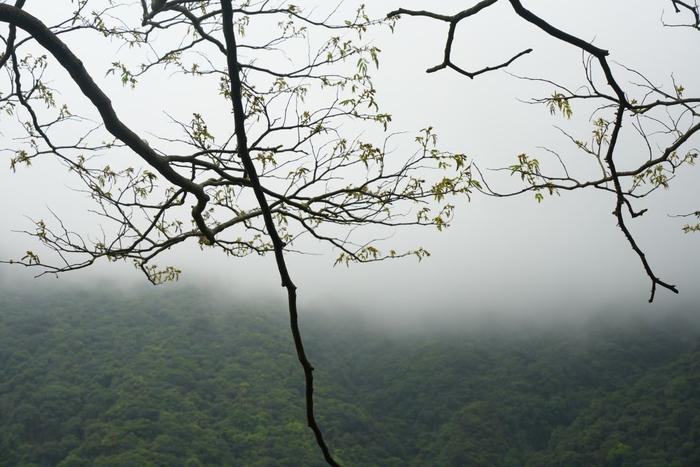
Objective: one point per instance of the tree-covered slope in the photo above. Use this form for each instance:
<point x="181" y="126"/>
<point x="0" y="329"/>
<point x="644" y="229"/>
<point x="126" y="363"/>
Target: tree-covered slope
<point x="168" y="379"/>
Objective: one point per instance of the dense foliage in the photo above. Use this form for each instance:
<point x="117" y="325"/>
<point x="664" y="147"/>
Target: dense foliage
<point x="175" y="379"/>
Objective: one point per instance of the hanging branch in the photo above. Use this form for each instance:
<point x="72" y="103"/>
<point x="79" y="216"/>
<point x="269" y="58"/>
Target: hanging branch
<point x="277" y="243"/>
<point x="627" y="185"/>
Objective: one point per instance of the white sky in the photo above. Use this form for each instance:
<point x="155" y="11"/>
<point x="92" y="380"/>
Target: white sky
<point x="500" y="254"/>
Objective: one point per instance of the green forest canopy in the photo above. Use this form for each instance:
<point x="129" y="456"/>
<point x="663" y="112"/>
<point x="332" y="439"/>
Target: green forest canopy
<point x="169" y="378"/>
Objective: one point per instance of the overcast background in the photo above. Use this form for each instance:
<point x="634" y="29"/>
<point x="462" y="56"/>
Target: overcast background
<point x="500" y="255"/>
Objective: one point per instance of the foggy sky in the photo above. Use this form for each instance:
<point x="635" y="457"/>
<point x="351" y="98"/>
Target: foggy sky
<point x="565" y="254"/>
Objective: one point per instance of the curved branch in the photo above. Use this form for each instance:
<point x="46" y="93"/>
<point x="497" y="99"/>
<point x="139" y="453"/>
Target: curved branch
<point x="655" y="280"/>
<point x="693" y="9"/>
<point x="454" y="20"/>
<point x="450" y="19"/>
<point x="72" y="64"/>
<point x="597" y="52"/>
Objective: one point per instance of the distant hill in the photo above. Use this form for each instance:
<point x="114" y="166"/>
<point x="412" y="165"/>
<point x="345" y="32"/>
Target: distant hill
<point x="169" y="379"/>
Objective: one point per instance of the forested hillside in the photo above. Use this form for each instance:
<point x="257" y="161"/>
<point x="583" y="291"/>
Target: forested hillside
<point x="168" y="379"/>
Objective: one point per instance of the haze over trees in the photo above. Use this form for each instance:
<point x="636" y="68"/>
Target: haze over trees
<point x="293" y="142"/>
<point x="163" y="378"/>
<point x="281" y="169"/>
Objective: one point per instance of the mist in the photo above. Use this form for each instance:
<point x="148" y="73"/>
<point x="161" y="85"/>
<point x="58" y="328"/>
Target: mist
<point x="525" y="337"/>
<point x="506" y="257"/>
